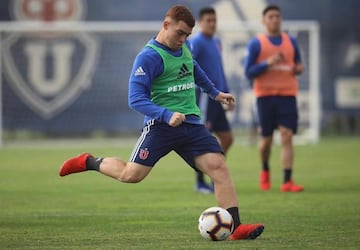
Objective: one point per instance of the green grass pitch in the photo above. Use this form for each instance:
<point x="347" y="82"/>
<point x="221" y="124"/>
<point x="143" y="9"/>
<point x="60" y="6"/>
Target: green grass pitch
<point x="39" y="210"/>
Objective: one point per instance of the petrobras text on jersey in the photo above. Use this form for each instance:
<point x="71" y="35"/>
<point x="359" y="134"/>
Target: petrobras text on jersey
<point x="181" y="87"/>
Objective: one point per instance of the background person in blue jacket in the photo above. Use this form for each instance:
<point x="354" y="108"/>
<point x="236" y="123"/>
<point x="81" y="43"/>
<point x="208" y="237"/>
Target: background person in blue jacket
<point x="206" y="49"/>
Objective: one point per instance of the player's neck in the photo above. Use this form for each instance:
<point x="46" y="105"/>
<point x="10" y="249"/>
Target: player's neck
<point x="273" y="33"/>
<point x="161" y="39"/>
<point x="208" y="35"/>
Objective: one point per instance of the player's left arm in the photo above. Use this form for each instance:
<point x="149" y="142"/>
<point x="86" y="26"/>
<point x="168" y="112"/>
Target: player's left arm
<point x="139" y="96"/>
<point x="299" y="67"/>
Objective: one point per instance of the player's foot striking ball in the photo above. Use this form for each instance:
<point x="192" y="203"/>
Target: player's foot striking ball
<point x="215" y="223"/>
<point x="247" y="232"/>
<point x="165" y="93"/>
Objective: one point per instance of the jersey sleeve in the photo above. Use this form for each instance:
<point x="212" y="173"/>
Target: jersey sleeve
<point x="297" y="57"/>
<point x="204" y="82"/>
<point x="147" y="66"/>
<point x="252" y="68"/>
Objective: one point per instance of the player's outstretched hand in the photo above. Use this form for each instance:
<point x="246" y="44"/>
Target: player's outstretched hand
<point x="176" y="119"/>
<point x="225" y="98"/>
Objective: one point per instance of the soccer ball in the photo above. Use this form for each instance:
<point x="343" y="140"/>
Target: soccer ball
<point x="215" y="223"/>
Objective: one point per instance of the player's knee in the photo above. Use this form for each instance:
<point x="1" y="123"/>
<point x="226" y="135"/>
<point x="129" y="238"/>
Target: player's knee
<point x="133" y="173"/>
<point x="286" y="136"/>
<point x="130" y="178"/>
<point x="226" y="140"/>
<point x="217" y="163"/>
<point x="212" y="164"/>
<point x="219" y="172"/>
<point x="265" y="143"/>
<point x="229" y="141"/>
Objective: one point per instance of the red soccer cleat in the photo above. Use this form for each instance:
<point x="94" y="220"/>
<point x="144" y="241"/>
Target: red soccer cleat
<point x="290" y="186"/>
<point x="247" y="232"/>
<point x="265" y="180"/>
<point x="74" y="165"/>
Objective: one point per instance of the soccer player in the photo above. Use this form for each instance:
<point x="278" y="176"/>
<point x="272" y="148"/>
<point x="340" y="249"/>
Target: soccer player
<point x="206" y="51"/>
<point x="273" y="61"/>
<point x="162" y="87"/>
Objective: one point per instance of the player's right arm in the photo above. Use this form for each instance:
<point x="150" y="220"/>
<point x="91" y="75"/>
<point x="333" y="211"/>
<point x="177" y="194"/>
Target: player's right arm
<point x="147" y="66"/>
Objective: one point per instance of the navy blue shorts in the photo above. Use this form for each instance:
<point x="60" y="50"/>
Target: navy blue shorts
<point x="213" y="113"/>
<point x="275" y="111"/>
<point x="216" y="120"/>
<point x="187" y="140"/>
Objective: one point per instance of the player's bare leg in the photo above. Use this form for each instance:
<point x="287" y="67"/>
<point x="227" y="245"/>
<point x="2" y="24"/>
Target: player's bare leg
<point x="128" y="172"/>
<point x="287" y="149"/>
<point x="113" y="167"/>
<point x="265" y="148"/>
<point x="287" y="159"/>
<point x="226" y="139"/>
<point x="265" y="144"/>
<point x="213" y="164"/>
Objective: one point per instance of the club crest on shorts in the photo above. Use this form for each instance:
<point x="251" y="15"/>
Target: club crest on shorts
<point x="49" y="70"/>
<point x="143" y="154"/>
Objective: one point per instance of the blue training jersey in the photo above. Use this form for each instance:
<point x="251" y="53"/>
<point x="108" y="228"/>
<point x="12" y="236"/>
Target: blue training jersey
<point x="147" y="66"/>
<point x="207" y="52"/>
<point x="253" y="69"/>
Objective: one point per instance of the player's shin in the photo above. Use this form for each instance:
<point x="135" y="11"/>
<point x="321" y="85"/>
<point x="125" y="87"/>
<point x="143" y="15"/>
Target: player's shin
<point x="93" y="163"/>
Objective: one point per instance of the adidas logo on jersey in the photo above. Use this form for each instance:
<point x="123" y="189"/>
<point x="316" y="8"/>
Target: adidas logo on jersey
<point x="139" y="72"/>
<point x="184" y="71"/>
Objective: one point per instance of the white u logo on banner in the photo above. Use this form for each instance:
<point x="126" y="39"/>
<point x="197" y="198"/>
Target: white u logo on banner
<point x="60" y="54"/>
<point x="47" y="70"/>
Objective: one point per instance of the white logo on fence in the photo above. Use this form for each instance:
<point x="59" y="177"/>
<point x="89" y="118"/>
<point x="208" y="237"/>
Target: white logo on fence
<point x="48" y="71"/>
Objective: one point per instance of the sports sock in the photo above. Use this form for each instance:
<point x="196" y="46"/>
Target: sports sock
<point x="93" y="163"/>
<point x="265" y="166"/>
<point x="234" y="211"/>
<point x="287" y="174"/>
<point x="200" y="177"/>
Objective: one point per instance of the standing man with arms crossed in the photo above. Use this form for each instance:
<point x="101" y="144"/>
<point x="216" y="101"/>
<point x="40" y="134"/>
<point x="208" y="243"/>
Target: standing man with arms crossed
<point x="206" y="50"/>
<point x="161" y="87"/>
<point x="273" y="61"/>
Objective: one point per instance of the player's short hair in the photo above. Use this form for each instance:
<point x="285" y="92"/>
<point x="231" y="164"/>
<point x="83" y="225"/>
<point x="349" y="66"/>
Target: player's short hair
<point x="270" y="7"/>
<point x="205" y="11"/>
<point x="181" y="13"/>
